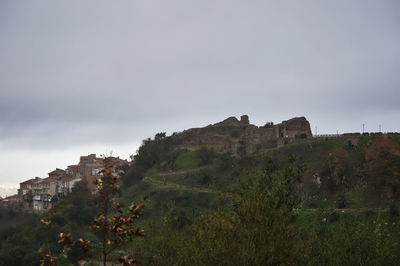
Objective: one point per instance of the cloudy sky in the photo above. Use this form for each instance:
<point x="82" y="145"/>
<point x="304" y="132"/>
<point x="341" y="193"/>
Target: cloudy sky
<point x="79" y="77"/>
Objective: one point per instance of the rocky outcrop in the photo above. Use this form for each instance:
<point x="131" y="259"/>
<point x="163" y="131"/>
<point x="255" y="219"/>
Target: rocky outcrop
<point x="241" y="138"/>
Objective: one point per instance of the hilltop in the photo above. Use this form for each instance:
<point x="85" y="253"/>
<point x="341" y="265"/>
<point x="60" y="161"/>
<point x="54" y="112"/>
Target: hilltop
<point x="338" y="166"/>
<point x="240" y="138"/>
<point x="341" y="170"/>
<point x="198" y="183"/>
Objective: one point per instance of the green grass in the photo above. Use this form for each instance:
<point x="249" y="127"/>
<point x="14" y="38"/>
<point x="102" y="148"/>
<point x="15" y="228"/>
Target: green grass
<point x="151" y="171"/>
<point x="187" y="160"/>
<point x="194" y="179"/>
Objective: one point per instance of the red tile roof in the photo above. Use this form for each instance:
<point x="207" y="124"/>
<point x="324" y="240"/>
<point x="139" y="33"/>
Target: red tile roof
<point x="48" y="180"/>
<point x="66" y="178"/>
<point x="27" y="181"/>
<point x="57" y="172"/>
<point x="15" y="196"/>
<point x="12" y="197"/>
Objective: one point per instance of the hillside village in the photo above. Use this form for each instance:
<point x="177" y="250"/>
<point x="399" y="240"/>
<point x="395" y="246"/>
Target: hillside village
<point x="236" y="137"/>
<point x="40" y="194"/>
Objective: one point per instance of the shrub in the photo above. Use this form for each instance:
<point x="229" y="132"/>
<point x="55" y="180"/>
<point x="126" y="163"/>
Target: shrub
<point x="394" y="211"/>
<point x="269" y="125"/>
<point x="205" y="156"/>
<point x="341" y="201"/>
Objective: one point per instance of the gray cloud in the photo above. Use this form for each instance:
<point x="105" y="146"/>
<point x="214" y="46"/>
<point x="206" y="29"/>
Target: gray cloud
<point x="74" y="73"/>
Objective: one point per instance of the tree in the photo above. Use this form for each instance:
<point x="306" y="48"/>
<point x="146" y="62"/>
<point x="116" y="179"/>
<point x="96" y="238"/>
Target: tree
<point x="257" y="230"/>
<point x="205" y="156"/>
<point x="113" y="225"/>
<point x="382" y="165"/>
<point x="269" y="125"/>
<point x="336" y="170"/>
<point x="159" y="136"/>
<point x="154" y="151"/>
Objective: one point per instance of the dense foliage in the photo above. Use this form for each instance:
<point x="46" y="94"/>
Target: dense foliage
<point x="205" y="208"/>
<point x="260" y="224"/>
<point x="20" y="243"/>
<point x="382" y="159"/>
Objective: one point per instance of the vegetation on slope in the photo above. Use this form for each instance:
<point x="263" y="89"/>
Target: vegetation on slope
<point x="207" y="208"/>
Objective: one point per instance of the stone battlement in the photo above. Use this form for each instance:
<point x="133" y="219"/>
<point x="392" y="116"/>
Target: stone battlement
<point x="240" y="138"/>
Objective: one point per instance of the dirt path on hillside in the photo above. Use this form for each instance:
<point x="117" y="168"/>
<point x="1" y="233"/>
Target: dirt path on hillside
<point x="348" y="210"/>
<point x="165" y="184"/>
<point x="181" y="172"/>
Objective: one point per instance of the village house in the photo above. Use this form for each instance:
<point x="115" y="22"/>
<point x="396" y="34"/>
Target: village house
<point x="89" y="169"/>
<point x="25" y="192"/>
<point x="9" y="201"/>
<point x="58" y="173"/>
<point x="65" y="184"/>
<point x="72" y="170"/>
<point x="40" y="195"/>
<point x="44" y="193"/>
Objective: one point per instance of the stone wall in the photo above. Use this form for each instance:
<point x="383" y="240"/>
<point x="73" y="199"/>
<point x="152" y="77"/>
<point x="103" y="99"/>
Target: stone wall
<point x="241" y="138"/>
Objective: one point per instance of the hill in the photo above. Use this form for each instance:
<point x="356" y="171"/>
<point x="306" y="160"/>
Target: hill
<point x="335" y="167"/>
<point x="348" y="181"/>
<point x="210" y="206"/>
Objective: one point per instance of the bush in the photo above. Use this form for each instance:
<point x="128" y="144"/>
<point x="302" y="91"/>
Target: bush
<point x="394" y="211"/>
<point x="341" y="201"/>
<point x="269" y="125"/>
<point x="301" y="136"/>
<point x="205" y="156"/>
<point x="333" y="217"/>
<point x="225" y="162"/>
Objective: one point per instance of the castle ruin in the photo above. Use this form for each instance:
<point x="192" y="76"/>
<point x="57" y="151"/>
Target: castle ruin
<point x="240" y="138"/>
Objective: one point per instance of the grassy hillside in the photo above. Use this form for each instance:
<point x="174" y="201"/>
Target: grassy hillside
<point x="345" y="194"/>
<point x="333" y="169"/>
<point x="202" y="207"/>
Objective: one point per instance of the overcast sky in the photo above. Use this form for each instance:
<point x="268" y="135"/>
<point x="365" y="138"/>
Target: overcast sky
<point x="79" y="77"/>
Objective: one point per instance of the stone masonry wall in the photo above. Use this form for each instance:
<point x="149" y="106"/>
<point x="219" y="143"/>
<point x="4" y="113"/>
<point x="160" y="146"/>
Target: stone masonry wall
<point x="241" y="138"/>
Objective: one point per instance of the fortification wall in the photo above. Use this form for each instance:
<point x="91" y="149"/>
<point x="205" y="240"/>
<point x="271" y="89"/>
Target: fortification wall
<point x="241" y="138"/>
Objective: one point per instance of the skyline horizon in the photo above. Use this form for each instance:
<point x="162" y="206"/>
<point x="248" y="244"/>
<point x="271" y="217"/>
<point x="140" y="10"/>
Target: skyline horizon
<point x="12" y="186"/>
